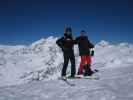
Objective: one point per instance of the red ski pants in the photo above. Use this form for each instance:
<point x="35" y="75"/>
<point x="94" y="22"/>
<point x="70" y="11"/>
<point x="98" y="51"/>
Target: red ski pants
<point x="85" y="59"/>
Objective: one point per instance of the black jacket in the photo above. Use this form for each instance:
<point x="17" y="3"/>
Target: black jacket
<point x="67" y="44"/>
<point x="84" y="45"/>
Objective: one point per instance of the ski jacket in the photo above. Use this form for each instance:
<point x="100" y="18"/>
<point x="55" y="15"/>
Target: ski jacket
<point x="66" y="43"/>
<point x="84" y="45"/>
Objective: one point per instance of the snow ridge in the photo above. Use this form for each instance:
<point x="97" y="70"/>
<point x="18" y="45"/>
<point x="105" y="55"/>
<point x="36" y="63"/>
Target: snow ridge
<point x="43" y="60"/>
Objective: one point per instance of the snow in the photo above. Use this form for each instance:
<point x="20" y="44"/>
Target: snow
<point x="31" y="72"/>
<point x="113" y="85"/>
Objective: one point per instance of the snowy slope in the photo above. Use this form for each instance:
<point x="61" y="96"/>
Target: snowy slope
<point x="114" y="84"/>
<point x="19" y="64"/>
<point x="43" y="60"/>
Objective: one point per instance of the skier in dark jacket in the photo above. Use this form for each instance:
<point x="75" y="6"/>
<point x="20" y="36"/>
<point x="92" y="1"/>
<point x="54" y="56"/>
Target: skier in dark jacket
<point x="84" y="46"/>
<point x="66" y="43"/>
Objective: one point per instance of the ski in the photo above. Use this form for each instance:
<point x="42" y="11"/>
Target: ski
<point x="88" y="77"/>
<point x="66" y="81"/>
<point x="85" y="77"/>
<point x="93" y="77"/>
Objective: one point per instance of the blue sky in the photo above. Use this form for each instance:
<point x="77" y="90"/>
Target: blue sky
<point x="25" y="21"/>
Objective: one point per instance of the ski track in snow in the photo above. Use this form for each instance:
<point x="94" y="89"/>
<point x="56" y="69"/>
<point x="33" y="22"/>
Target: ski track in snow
<point x="30" y="73"/>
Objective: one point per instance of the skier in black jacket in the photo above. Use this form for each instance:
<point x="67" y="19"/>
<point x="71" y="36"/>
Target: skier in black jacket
<point x="84" y="46"/>
<point x="66" y="43"/>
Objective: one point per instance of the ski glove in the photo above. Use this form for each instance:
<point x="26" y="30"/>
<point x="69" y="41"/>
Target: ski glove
<point x="92" y="52"/>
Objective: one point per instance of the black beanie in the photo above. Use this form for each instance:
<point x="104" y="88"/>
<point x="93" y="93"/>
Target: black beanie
<point x="68" y="29"/>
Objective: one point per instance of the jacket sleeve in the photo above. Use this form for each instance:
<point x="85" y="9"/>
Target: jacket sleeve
<point x="75" y="41"/>
<point x="90" y="44"/>
<point x="59" y="42"/>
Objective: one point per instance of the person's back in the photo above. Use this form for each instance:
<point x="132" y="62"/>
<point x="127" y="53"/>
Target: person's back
<point x="66" y="43"/>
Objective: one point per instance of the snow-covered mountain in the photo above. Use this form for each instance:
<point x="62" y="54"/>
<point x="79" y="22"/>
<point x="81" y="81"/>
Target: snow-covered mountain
<point x="19" y="64"/>
<point x="42" y="60"/>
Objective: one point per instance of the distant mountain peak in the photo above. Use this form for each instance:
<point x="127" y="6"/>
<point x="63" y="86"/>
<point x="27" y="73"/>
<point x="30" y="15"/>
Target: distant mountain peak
<point x="103" y="43"/>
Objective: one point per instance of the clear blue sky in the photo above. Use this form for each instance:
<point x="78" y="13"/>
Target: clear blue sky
<point x="25" y="21"/>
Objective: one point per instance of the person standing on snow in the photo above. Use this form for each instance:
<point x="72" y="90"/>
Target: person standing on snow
<point x="66" y="43"/>
<point x="84" y="46"/>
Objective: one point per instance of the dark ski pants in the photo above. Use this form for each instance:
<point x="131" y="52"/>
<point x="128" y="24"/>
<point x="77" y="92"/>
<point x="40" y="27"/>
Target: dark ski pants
<point x="66" y="61"/>
<point x="88" y="71"/>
